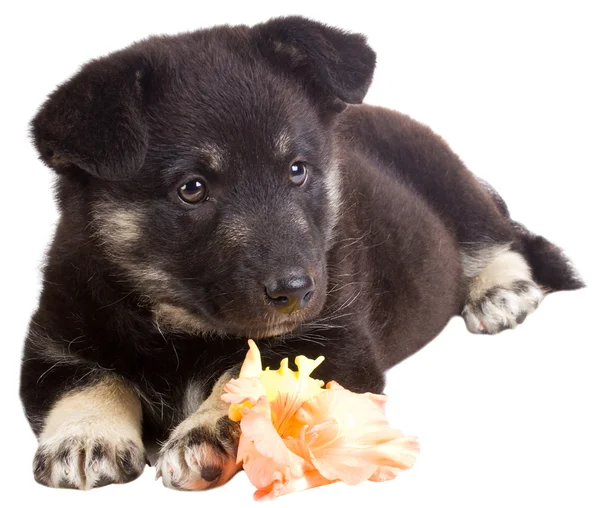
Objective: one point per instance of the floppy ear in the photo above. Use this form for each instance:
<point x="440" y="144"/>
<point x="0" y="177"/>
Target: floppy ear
<point x="336" y="62"/>
<point x="95" y="121"/>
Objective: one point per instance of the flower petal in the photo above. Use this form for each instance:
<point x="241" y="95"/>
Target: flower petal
<point x="384" y="473"/>
<point x="349" y="437"/>
<point x="240" y="393"/>
<point x="287" y="390"/>
<point x="256" y="426"/>
<point x="309" y="480"/>
<point x="286" y="381"/>
<point x="266" y="459"/>
<point x="252" y="366"/>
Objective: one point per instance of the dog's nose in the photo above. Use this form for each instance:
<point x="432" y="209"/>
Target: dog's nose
<point x="290" y="293"/>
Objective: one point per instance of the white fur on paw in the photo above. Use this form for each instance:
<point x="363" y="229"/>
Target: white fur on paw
<point x="91" y="437"/>
<point x="500" y="307"/>
<point x="201" y="452"/>
<point x="84" y="461"/>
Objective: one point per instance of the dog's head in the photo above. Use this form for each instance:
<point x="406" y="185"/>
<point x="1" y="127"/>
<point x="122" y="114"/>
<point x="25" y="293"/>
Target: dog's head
<point x="207" y="169"/>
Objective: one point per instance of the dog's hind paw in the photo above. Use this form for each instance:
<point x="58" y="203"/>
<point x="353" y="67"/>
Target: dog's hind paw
<point x="502" y="307"/>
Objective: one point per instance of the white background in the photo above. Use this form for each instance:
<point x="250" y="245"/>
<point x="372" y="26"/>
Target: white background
<point x="509" y="420"/>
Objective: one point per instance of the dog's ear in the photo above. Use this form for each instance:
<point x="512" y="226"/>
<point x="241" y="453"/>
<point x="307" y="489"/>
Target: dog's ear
<point x="95" y="121"/>
<point x="332" y="60"/>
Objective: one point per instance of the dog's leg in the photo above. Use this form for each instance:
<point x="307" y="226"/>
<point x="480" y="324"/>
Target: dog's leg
<point x="505" y="265"/>
<point x="91" y="437"/>
<point x="501" y="292"/>
<point x="201" y="451"/>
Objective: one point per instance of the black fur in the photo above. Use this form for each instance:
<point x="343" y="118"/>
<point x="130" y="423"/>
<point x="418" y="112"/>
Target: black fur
<point x="236" y="106"/>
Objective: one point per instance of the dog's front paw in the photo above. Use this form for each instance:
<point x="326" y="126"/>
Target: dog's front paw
<point x="81" y="461"/>
<point x="201" y="452"/>
<point x="500" y="307"/>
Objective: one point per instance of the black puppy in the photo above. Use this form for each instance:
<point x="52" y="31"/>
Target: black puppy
<point x="226" y="184"/>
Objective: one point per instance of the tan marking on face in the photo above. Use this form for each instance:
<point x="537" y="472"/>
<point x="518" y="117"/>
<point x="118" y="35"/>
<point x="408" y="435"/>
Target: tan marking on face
<point x="283" y="143"/>
<point x="153" y="273"/>
<point x="235" y="231"/>
<point x="334" y="195"/>
<point x="274" y="331"/>
<point x="148" y="276"/>
<point x="214" y="154"/>
<point x="117" y="226"/>
<point x="177" y="318"/>
<point x="124" y="225"/>
<point x="297" y="217"/>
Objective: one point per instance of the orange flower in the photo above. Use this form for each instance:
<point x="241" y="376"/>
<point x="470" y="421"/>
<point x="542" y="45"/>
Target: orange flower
<point x="297" y="435"/>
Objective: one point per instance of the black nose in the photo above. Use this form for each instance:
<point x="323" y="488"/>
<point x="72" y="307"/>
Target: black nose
<point x="290" y="293"/>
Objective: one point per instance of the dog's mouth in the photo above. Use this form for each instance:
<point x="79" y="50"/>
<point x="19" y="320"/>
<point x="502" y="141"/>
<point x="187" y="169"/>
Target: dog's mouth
<point x="272" y="331"/>
<point x="215" y="310"/>
<point x="199" y="321"/>
<point x="269" y="325"/>
<point x="259" y="315"/>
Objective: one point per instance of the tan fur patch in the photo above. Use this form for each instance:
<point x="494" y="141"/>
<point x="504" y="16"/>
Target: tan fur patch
<point x="234" y="231"/>
<point x="177" y="318"/>
<point x="283" y="143"/>
<point x="214" y="154"/>
<point x="118" y="227"/>
<point x="107" y="409"/>
<point x="334" y="195"/>
<point x="85" y="434"/>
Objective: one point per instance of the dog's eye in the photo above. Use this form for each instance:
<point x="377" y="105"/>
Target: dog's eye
<point x="193" y="192"/>
<point x="298" y="173"/>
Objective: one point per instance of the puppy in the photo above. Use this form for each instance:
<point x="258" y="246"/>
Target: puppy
<point x="228" y="184"/>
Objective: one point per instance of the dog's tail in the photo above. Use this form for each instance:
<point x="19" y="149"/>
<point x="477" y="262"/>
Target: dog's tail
<point x="549" y="265"/>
